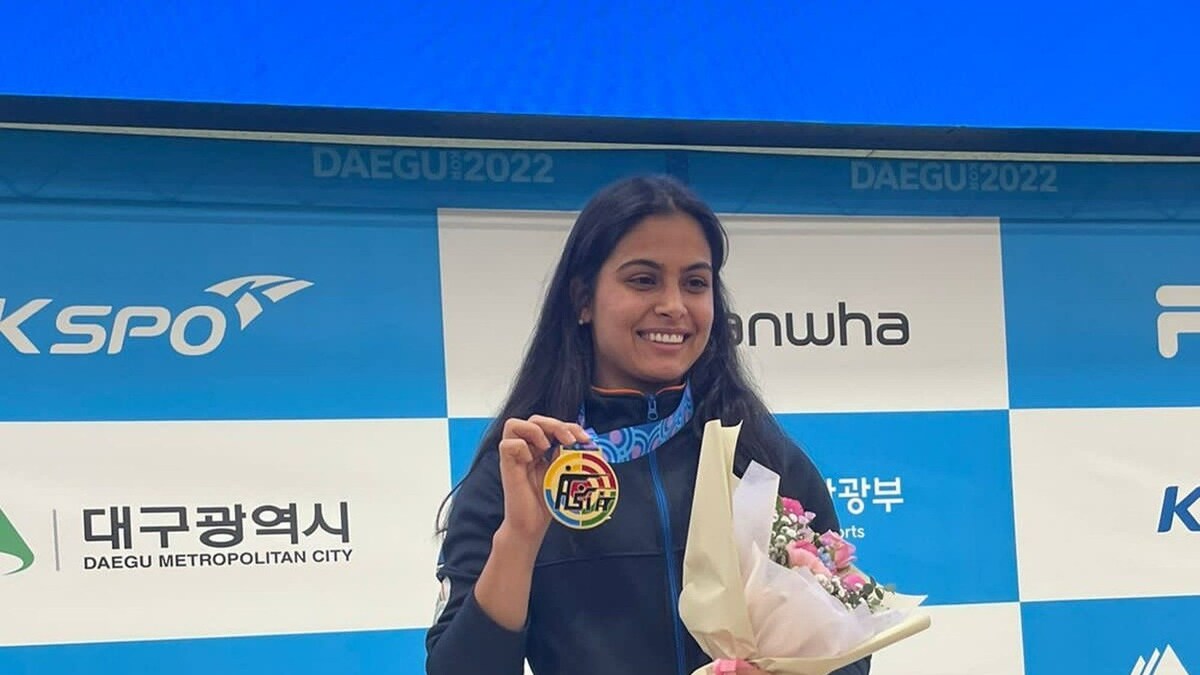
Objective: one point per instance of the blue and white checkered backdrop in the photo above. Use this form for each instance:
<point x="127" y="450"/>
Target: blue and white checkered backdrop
<point x="237" y="377"/>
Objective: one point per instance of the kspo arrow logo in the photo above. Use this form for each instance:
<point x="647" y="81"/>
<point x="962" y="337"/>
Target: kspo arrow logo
<point x="147" y="321"/>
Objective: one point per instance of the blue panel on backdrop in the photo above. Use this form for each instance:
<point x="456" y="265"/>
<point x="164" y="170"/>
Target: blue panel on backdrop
<point x="465" y="435"/>
<point x="951" y="536"/>
<point x="945" y="62"/>
<point x="1110" y="636"/>
<point x="356" y="653"/>
<point x="201" y="314"/>
<point x="1102" y="315"/>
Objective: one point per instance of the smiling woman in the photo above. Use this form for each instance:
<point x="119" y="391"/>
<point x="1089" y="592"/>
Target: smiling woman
<point x="652" y="309"/>
<point x="572" y="560"/>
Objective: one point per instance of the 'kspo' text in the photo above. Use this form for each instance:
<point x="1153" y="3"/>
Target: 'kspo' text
<point x="193" y="331"/>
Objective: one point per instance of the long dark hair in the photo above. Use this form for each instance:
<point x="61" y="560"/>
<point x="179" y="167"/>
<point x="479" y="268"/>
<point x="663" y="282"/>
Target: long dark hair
<point x="556" y="372"/>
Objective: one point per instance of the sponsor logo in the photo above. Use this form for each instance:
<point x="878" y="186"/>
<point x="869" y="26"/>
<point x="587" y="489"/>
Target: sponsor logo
<point x="1176" y="507"/>
<point x="12" y="545"/>
<point x="147" y="321"/>
<point x="215" y="535"/>
<point x="815" y="329"/>
<point x="857" y="492"/>
<point x="1182" y="316"/>
<point x="1159" y="663"/>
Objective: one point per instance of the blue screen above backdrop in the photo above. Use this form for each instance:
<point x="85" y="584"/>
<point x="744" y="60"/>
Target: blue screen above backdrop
<point x="1022" y="63"/>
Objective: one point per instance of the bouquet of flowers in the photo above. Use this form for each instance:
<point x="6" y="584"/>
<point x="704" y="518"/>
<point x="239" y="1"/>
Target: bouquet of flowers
<point x="828" y="556"/>
<point x="760" y="585"/>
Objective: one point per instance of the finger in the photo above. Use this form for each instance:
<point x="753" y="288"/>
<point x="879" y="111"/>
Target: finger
<point x="529" y="432"/>
<point x="556" y="429"/>
<point x="515" y="450"/>
<point x="580" y="435"/>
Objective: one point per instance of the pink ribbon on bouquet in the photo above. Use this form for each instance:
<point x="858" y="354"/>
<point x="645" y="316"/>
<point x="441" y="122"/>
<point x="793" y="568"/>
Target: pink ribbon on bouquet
<point x="726" y="666"/>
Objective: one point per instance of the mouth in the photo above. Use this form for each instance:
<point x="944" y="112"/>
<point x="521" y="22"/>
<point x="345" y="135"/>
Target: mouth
<point x="668" y="338"/>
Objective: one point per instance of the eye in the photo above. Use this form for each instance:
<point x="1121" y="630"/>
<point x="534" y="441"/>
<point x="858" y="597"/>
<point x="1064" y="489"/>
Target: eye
<point x="698" y="283"/>
<point x="642" y="280"/>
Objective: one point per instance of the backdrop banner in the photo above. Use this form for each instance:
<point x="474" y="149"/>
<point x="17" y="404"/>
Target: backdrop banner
<point x="237" y="378"/>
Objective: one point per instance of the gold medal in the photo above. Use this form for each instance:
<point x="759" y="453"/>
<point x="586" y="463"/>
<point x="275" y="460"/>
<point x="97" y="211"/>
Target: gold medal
<point x="581" y="489"/>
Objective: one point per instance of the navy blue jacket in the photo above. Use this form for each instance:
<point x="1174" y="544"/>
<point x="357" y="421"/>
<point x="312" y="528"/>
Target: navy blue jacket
<point x="603" y="601"/>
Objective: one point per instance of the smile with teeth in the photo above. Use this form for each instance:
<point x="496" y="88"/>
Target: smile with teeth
<point x="664" y="338"/>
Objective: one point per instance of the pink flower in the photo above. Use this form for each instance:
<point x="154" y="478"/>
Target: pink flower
<point x="840" y="550"/>
<point x="807" y="545"/>
<point x="792" y="506"/>
<point x="799" y="556"/>
<point x="854" y="581"/>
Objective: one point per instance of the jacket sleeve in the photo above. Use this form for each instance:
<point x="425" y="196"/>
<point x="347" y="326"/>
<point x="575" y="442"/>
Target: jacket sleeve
<point x="803" y="481"/>
<point x="463" y="638"/>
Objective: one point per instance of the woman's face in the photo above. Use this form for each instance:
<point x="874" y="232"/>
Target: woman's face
<point x="652" y="311"/>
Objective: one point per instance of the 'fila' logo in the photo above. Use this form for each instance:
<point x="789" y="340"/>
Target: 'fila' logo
<point x="1182" y="316"/>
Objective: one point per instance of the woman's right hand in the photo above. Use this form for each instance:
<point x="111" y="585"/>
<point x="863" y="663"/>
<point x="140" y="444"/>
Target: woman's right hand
<point x="523" y="464"/>
<point x="503" y="588"/>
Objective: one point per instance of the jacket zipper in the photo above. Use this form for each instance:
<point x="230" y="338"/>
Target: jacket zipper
<point x="668" y="545"/>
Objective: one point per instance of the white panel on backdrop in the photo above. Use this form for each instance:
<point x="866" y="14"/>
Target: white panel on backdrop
<point x="885" y="314"/>
<point x="495" y="267"/>
<point x="96" y="502"/>
<point x="975" y="639"/>
<point x="1106" y="502"/>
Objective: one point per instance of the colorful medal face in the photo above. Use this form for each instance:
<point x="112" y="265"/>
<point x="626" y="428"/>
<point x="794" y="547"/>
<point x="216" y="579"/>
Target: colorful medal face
<point x="581" y="489"/>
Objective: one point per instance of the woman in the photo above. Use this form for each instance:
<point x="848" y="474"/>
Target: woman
<point x="634" y="331"/>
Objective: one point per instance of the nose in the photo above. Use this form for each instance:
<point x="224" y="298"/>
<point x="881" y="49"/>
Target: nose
<point x="670" y="302"/>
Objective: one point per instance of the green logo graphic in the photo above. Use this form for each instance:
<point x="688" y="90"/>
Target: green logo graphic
<point x="12" y="544"/>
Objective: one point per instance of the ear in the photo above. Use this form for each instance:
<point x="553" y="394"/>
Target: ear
<point x="581" y="301"/>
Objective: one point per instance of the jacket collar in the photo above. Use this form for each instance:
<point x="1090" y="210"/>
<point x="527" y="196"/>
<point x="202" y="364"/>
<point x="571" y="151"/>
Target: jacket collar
<point x="608" y="409"/>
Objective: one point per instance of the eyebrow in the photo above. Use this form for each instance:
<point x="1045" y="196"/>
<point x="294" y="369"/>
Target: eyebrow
<point x="657" y="266"/>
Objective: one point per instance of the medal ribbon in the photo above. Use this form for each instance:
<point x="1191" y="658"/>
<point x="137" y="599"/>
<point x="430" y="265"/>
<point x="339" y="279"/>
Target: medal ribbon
<point x="629" y="443"/>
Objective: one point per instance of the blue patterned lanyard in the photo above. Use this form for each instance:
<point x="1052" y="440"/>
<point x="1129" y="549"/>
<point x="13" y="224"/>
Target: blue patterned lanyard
<point x="629" y="443"/>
